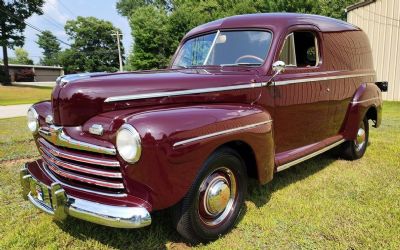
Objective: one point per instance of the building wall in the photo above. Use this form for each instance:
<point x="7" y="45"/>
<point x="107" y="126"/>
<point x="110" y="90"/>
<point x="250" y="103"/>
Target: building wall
<point x="381" y="21"/>
<point x="46" y="75"/>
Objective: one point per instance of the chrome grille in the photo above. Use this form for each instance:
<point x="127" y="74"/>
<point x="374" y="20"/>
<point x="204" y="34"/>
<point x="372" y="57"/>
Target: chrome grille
<point x="82" y="169"/>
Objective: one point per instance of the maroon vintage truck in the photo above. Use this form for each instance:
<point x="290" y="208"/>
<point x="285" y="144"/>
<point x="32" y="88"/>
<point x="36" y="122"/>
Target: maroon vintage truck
<point x="244" y="97"/>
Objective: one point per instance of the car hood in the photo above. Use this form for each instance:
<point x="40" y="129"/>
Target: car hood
<point x="76" y="98"/>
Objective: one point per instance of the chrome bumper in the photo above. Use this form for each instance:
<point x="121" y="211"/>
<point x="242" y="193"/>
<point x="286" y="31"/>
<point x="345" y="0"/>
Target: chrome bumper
<point x="54" y="201"/>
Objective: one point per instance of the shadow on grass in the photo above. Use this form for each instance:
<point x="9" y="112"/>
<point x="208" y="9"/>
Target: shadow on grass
<point x="155" y="236"/>
<point x="260" y="195"/>
<point x="160" y="232"/>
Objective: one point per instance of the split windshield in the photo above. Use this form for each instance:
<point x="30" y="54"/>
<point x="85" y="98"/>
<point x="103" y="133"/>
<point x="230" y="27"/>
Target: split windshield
<point x="225" y="48"/>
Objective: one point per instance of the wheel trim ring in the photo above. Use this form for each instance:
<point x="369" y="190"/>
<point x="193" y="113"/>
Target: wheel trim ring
<point x="208" y="219"/>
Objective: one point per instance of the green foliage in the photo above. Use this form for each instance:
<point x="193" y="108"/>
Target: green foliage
<point x="159" y="25"/>
<point x="94" y="47"/>
<point x="13" y="13"/>
<point x="51" y="48"/>
<point x="152" y="40"/>
<point x="21" y="57"/>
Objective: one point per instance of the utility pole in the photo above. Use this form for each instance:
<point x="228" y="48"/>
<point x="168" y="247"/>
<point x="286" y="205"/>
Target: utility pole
<point x="119" y="50"/>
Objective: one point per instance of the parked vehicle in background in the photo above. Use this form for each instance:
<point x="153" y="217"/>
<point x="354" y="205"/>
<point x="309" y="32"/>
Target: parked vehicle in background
<point x="245" y="97"/>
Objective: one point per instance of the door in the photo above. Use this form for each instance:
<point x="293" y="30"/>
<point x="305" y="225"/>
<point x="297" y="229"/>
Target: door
<point x="301" y="104"/>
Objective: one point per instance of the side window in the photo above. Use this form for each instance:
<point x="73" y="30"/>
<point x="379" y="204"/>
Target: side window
<point x="300" y="50"/>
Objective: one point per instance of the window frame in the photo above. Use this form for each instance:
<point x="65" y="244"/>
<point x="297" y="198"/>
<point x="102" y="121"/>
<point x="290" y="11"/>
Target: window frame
<point x="226" y="30"/>
<point x="317" y="38"/>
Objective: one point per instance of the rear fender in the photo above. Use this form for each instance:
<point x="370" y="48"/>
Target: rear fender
<point x="367" y="101"/>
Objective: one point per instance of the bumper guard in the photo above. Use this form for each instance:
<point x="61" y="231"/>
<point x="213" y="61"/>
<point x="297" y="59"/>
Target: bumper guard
<point x="54" y="201"/>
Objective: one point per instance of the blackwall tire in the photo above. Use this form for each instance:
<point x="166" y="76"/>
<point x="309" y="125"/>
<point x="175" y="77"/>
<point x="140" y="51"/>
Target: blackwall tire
<point x="353" y="150"/>
<point x="214" y="201"/>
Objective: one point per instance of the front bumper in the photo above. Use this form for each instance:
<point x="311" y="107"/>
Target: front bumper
<point x="54" y="201"/>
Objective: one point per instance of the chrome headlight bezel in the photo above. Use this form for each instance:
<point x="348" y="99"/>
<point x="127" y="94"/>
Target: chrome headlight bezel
<point x="32" y="120"/>
<point x="128" y="139"/>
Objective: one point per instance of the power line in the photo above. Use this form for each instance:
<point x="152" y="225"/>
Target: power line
<point x="28" y="24"/>
<point x="53" y="21"/>
<point x="65" y="7"/>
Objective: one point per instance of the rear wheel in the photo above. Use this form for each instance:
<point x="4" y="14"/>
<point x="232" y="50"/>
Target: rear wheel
<point x="214" y="201"/>
<point x="353" y="150"/>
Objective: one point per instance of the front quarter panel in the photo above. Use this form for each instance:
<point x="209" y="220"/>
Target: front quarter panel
<point x="167" y="170"/>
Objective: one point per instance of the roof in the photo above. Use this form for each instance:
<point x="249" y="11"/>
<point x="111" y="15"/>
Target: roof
<point x="274" y="21"/>
<point x="359" y="5"/>
<point x="32" y="66"/>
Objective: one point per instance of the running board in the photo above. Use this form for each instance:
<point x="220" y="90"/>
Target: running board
<point x="304" y="158"/>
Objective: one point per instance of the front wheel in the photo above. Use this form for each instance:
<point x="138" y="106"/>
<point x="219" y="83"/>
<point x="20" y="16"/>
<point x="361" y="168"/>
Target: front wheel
<point x="214" y="201"/>
<point x="353" y="150"/>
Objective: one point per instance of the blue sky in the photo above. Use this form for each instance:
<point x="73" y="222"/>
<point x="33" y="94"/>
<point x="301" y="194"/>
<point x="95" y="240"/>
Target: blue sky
<point x="57" y="12"/>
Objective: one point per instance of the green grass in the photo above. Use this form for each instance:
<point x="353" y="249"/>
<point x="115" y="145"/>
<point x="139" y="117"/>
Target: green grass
<point x="322" y="203"/>
<point x="13" y="95"/>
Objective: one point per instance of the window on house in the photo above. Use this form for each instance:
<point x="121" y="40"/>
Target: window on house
<point x="300" y="50"/>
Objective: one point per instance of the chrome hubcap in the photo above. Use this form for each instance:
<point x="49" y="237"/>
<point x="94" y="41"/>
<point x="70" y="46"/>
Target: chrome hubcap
<point x="217" y="196"/>
<point x="360" y="139"/>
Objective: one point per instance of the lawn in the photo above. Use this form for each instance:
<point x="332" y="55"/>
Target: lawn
<point x="13" y="95"/>
<point x="325" y="203"/>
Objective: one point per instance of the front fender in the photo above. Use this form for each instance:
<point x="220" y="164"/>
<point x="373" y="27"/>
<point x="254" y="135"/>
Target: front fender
<point x="177" y="141"/>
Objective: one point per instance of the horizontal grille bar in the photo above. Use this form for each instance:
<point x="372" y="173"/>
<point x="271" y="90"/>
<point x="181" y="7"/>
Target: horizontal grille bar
<point x="49" y="173"/>
<point x="75" y="157"/>
<point x="84" y="179"/>
<point x="88" y="170"/>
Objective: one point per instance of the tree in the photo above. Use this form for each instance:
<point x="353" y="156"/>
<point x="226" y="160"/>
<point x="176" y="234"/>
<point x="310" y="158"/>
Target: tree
<point x="21" y="57"/>
<point x="51" y="48"/>
<point x="12" y="24"/>
<point x="94" y="48"/>
<point x="152" y="46"/>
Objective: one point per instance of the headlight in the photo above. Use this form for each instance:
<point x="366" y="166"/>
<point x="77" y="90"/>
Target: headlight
<point x="33" y="122"/>
<point x="128" y="143"/>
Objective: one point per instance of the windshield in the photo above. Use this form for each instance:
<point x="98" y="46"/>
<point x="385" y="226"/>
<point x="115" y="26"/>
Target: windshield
<point x="225" y="48"/>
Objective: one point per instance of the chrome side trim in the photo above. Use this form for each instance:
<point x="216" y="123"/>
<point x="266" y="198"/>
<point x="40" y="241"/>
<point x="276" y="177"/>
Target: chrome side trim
<point x="182" y="92"/>
<point x="202" y="137"/>
<point x="54" y="151"/>
<point x="304" y="158"/>
<point x="226" y="88"/>
<point x="78" y="188"/>
<point x="316" y="79"/>
<point x="362" y="101"/>
<point x="56" y="135"/>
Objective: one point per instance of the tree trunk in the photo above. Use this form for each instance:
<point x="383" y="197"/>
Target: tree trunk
<point x="6" y="80"/>
<point x="6" y="69"/>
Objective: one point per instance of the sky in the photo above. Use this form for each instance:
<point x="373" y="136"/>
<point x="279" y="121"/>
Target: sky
<point x="57" y="12"/>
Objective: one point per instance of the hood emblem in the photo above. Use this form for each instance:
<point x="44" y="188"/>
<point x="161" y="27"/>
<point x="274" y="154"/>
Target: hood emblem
<point x="96" y="129"/>
<point x="49" y="119"/>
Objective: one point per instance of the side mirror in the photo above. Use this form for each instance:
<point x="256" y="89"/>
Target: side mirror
<point x="278" y="67"/>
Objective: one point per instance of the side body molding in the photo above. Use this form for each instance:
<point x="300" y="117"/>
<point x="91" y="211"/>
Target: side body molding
<point x="177" y="141"/>
<point x="367" y="98"/>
